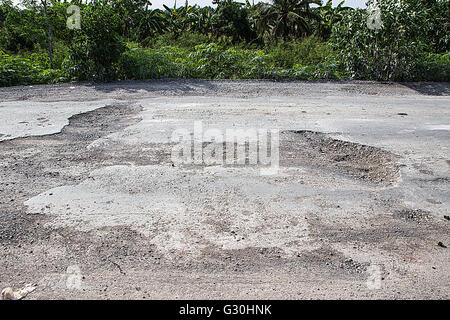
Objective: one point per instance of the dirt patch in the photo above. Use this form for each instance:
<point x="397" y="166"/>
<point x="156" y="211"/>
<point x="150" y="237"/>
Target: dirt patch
<point x="318" y="150"/>
<point x="413" y="215"/>
<point x="398" y="233"/>
<point x="314" y="149"/>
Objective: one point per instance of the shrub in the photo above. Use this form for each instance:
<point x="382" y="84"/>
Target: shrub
<point x="433" y="67"/>
<point x="307" y="52"/>
<point x="330" y="69"/>
<point x="231" y="20"/>
<point x="392" y="52"/>
<point x="207" y="61"/>
<point x="213" y="61"/>
<point x="96" y="48"/>
<point x="139" y="63"/>
<point x="21" y="29"/>
<point x="16" y="70"/>
<point x="184" y="40"/>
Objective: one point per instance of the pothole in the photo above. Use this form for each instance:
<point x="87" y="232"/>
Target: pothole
<point x="315" y="149"/>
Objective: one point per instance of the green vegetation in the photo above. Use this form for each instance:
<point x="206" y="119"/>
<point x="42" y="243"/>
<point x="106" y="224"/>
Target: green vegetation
<point x="403" y="49"/>
<point x="283" y="39"/>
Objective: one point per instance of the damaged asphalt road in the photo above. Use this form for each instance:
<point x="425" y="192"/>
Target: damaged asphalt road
<point x="93" y="206"/>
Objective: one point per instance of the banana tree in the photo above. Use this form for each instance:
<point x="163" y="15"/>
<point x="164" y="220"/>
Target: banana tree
<point x="286" y="19"/>
<point x="151" y="22"/>
<point x="203" y="20"/>
<point x="178" y="20"/>
<point x="329" y="16"/>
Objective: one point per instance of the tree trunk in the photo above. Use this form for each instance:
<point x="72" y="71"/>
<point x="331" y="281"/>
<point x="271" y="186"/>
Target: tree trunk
<point x="49" y="34"/>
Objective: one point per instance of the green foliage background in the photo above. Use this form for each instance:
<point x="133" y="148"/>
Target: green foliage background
<point x="285" y="39"/>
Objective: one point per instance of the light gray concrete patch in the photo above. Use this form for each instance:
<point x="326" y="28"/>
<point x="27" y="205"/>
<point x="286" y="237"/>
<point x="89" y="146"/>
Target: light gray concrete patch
<point x="26" y="118"/>
<point x="184" y="210"/>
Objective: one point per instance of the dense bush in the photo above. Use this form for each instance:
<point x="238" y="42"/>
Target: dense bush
<point x="183" y="40"/>
<point x="231" y="20"/>
<point x="286" y="39"/>
<point x="138" y="64"/>
<point x="208" y="61"/>
<point x="213" y="61"/>
<point x="16" y="70"/>
<point x="433" y="67"/>
<point x="309" y="51"/>
<point x="20" y="29"/>
<point x="96" y="47"/>
<point x="393" y="51"/>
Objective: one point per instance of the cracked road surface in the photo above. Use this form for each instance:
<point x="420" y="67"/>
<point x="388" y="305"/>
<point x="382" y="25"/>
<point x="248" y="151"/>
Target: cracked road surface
<point x="89" y="191"/>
